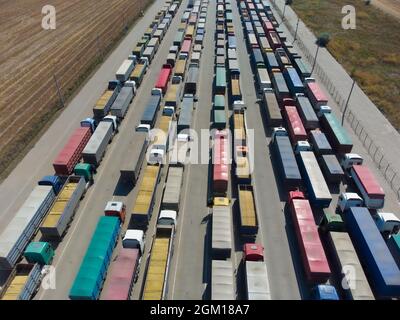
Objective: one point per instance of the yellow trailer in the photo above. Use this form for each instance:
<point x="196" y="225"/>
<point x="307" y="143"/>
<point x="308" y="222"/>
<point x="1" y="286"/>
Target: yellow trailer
<point x="165" y="122"/>
<point x="143" y="206"/>
<point x="243" y="172"/>
<point x="239" y="126"/>
<point x="180" y="67"/>
<point x="190" y="31"/>
<point x="248" y="213"/>
<point x="157" y="268"/>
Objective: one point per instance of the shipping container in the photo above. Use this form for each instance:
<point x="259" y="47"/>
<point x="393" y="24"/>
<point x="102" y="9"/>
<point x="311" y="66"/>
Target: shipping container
<point x="331" y="168"/>
<point x="319" y="142"/>
<point x="248" y="210"/>
<point x="288" y="169"/>
<point x="313" y="256"/>
<point x="297" y="131"/>
<point x="355" y="284"/>
<point x="133" y="158"/>
<point x="317" y="189"/>
<point x="337" y="135"/>
<point x="63" y="209"/>
<point x="219" y="102"/>
<point x="369" y="187"/>
<point x="222" y="286"/>
<point x="93" y="269"/>
<point x="379" y="265"/>
<point x="221" y="232"/>
<point x="71" y="153"/>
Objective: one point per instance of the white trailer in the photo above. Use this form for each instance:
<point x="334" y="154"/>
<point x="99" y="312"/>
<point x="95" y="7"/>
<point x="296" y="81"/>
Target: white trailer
<point x="125" y="70"/>
<point x="172" y="189"/>
<point x="222" y="286"/>
<point x="221" y="232"/>
<point x="257" y="283"/>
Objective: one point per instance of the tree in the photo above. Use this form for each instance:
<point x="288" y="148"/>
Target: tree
<point x="322" y="41"/>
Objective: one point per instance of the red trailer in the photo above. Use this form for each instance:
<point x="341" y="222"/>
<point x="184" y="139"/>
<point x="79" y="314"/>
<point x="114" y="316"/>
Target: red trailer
<point x="294" y="124"/>
<point x="315" y="94"/>
<point x="163" y="78"/>
<point x="187" y="44"/>
<point x="253" y="252"/>
<point x="71" y="154"/>
<point x="370" y="189"/>
<point x="220" y="163"/>
<point x="274" y="40"/>
<point x="267" y="25"/>
<point x="122" y="276"/>
<point x="312" y="252"/>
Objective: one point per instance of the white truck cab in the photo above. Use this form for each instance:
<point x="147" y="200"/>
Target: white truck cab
<point x="174" y="49"/>
<point x="238" y="105"/>
<point x="133" y="58"/>
<point x="350" y="159"/>
<point x="112" y="119"/>
<point x="309" y="80"/>
<point x="349" y="199"/>
<point x="143" y="128"/>
<point x="156" y="92"/>
<point x="156" y="156"/>
<point x="133" y="239"/>
<point x="324" y="109"/>
<point x="387" y="223"/>
<point x="167" y="217"/>
<point x="302" y="146"/>
<point x="278" y="131"/>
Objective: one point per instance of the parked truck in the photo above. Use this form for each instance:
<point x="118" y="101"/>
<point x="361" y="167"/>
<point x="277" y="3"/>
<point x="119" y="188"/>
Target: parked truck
<point x="272" y="109"/>
<point x="149" y="53"/>
<point x="222" y="287"/>
<point x="133" y="160"/>
<point x="164" y="77"/>
<point x="257" y="283"/>
<point x="263" y="79"/>
<point x="354" y="284"/>
<point x="156" y="281"/>
<point x="17" y="234"/>
<point x="280" y="86"/>
<point x="180" y="67"/>
<point x="317" y="188"/>
<point x="172" y="191"/>
<point x="297" y="132"/>
<point x="104" y="103"/>
<point x="96" y="147"/>
<point x="220" y="80"/>
<point x="125" y="70"/>
<point x="71" y="153"/>
<point x="319" y="142"/>
<point x="248" y="211"/>
<point x="139" y="71"/>
<point x="331" y="168"/>
<point x="185" y="115"/>
<point x="379" y="265"/>
<point x="370" y="189"/>
<point x="149" y="115"/>
<point x="192" y="79"/>
<point x="337" y="135"/>
<point x="307" y="113"/>
<point x="142" y="209"/>
<point x="123" y="100"/>
<point x="313" y="256"/>
<point x="221" y="231"/>
<point x="63" y="209"/>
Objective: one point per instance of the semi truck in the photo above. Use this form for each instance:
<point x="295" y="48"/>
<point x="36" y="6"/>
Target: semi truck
<point x="149" y="53"/>
<point x="248" y="225"/>
<point x="280" y="86"/>
<point x="306" y="112"/>
<point x="257" y="283"/>
<point x="164" y="77"/>
<point x="21" y="229"/>
<point x="149" y="115"/>
<point x="317" y="189"/>
<point x="370" y="189"/>
<point x="96" y="147"/>
<point x="71" y="153"/>
<point x="313" y="256"/>
<point x="139" y="71"/>
<point x="297" y="132"/>
<point x="290" y="74"/>
<point x="222" y="285"/>
<point x="155" y="283"/>
<point x="185" y="115"/>
<point x="104" y="103"/>
<point x="331" y="168"/>
<point x="133" y="160"/>
<point x="125" y="70"/>
<point x="220" y="80"/>
<point x="220" y="164"/>
<point x="319" y="142"/>
<point x="172" y="190"/>
<point x="379" y="265"/>
<point x="123" y="100"/>
<point x="192" y="79"/>
<point x="173" y="95"/>
<point x="180" y="67"/>
<point x="272" y="109"/>
<point x="141" y="212"/>
<point x="337" y="135"/>
<point x="63" y="209"/>
<point x="315" y="94"/>
<point x="263" y="79"/>
<point x="221" y="231"/>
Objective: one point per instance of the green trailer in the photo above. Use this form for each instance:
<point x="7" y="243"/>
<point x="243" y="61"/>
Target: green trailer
<point x="180" y="35"/>
<point x="220" y="80"/>
<point x="219" y="102"/>
<point x="85" y="170"/>
<point x="93" y="269"/>
<point x="219" y="119"/>
<point x="39" y="252"/>
<point x="337" y="135"/>
<point x="332" y="221"/>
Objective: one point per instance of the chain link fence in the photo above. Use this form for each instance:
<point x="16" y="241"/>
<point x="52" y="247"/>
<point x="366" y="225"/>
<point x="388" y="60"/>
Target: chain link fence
<point x="376" y="152"/>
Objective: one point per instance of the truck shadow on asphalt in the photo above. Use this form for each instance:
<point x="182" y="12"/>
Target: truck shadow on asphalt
<point x="122" y="188"/>
<point x="282" y="192"/>
<point x="207" y="258"/>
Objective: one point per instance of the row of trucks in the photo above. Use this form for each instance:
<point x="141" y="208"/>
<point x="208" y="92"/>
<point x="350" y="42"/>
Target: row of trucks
<point x="352" y="238"/>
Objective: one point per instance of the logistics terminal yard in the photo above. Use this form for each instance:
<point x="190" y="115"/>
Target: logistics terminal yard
<point x="201" y="161"/>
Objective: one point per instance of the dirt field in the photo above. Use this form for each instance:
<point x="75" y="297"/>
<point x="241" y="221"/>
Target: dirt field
<point x="30" y="57"/>
<point x="391" y="7"/>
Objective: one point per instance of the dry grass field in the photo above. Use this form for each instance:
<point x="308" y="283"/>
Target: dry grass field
<point x="371" y="52"/>
<point x="30" y="57"/>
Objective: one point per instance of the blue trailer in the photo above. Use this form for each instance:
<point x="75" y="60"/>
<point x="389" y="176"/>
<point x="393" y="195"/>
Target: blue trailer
<point x="150" y="113"/>
<point x="306" y="111"/>
<point x="379" y="265"/>
<point x="293" y="80"/>
<point x="272" y="63"/>
<point x="288" y="168"/>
